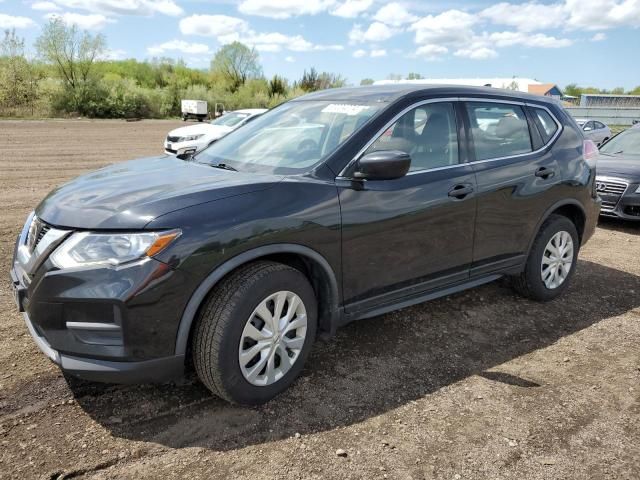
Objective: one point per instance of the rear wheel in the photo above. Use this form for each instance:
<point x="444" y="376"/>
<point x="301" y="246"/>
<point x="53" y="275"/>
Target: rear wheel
<point x="255" y="332"/>
<point x="552" y="260"/>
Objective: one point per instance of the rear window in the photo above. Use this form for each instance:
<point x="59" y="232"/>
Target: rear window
<point x="546" y="124"/>
<point x="498" y="129"/>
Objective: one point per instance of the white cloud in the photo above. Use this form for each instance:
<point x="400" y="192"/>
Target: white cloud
<point x="452" y="27"/>
<point x="213" y="26"/>
<point x="476" y="53"/>
<point x="527" y="16"/>
<point x="604" y="14"/>
<point x="538" y="40"/>
<point x="377" y="32"/>
<point x="394" y="14"/>
<point x="179" y="46"/>
<point x="381" y="52"/>
<point x="45" y="6"/>
<point x="9" y="21"/>
<point x="599" y="37"/>
<point x="282" y="9"/>
<point x="84" y="22"/>
<point x="126" y="7"/>
<point x="360" y="53"/>
<point x="351" y="8"/>
<point x="229" y="29"/>
<point x="431" y="52"/>
<point x="289" y="59"/>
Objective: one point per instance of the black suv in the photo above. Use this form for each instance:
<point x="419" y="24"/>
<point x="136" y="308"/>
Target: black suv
<point x="337" y="206"/>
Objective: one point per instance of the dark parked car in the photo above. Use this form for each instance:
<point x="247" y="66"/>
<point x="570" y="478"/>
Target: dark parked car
<point x="618" y="179"/>
<point x="337" y="206"/>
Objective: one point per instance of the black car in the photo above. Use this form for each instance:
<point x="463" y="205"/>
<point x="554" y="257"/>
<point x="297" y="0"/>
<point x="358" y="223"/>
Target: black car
<point x="618" y="179"/>
<point x="337" y="206"/>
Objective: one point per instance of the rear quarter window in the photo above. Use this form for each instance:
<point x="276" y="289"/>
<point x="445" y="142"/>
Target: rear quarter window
<point x="545" y="123"/>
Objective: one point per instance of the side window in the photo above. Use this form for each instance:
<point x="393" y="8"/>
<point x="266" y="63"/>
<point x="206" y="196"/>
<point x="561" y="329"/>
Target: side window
<point x="545" y="123"/>
<point x="498" y="130"/>
<point x="589" y="126"/>
<point x="599" y="125"/>
<point x="428" y="133"/>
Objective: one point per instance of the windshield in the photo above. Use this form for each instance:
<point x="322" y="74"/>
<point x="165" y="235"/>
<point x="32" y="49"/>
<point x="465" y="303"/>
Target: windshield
<point x="627" y="142"/>
<point x="230" y="119"/>
<point x="290" y="138"/>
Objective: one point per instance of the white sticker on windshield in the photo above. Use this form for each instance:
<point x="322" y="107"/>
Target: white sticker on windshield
<point x="345" y="108"/>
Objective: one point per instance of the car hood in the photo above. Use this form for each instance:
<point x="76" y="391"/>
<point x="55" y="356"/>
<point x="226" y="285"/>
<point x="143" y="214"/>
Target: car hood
<point x="129" y="195"/>
<point x="201" y="129"/>
<point x="627" y="167"/>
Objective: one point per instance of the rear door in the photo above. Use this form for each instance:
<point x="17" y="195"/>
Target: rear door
<point x="517" y="177"/>
<point x="405" y="236"/>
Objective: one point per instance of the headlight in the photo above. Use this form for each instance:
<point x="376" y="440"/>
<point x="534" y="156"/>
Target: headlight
<point x="86" y="248"/>
<point x="191" y="138"/>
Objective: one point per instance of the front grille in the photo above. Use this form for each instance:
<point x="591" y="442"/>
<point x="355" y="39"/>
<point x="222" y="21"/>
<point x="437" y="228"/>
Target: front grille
<point x="173" y="139"/>
<point x="611" y="187"/>
<point x="608" y="206"/>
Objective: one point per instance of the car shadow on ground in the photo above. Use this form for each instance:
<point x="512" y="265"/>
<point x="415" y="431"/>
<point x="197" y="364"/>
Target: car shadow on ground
<point x="619" y="225"/>
<point x="372" y="366"/>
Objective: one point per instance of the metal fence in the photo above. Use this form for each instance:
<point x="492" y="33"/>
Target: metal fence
<point x="610" y="116"/>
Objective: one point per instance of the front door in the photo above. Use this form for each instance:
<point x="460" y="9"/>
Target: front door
<point x="412" y="234"/>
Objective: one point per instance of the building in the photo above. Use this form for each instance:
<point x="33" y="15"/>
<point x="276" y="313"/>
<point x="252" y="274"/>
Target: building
<point x="609" y="101"/>
<point x="546" y="90"/>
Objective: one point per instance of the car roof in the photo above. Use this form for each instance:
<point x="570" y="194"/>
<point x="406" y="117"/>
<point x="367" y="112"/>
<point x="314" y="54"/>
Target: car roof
<point x="253" y="111"/>
<point x="393" y="92"/>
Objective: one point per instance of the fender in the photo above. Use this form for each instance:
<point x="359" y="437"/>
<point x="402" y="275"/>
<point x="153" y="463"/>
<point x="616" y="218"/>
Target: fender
<point x="190" y="311"/>
<point x="547" y="214"/>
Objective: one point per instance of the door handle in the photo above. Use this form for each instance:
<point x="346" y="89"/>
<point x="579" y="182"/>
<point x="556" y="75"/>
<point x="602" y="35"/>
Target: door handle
<point x="460" y="191"/>
<point x="545" y="173"/>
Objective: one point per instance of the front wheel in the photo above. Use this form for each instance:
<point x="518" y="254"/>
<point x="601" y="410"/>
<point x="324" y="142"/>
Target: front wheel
<point x="551" y="262"/>
<point x="255" y="332"/>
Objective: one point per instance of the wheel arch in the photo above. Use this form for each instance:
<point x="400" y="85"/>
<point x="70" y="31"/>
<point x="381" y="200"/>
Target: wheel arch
<point x="311" y="263"/>
<point x="570" y="208"/>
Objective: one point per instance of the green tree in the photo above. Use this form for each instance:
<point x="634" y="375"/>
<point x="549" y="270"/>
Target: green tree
<point x="635" y="91"/>
<point x="312" y="81"/>
<point x="277" y="86"/>
<point x="414" y="76"/>
<point x="236" y="63"/>
<point x="73" y="54"/>
<point x="366" y="81"/>
<point x="618" y="91"/>
<point x="572" y="90"/>
<point x="16" y="74"/>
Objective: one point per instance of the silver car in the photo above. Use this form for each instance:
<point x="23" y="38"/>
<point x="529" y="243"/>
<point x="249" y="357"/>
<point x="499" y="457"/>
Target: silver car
<point x="594" y="130"/>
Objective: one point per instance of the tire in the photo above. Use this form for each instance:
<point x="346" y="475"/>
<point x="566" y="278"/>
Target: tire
<point x="530" y="282"/>
<point x="216" y="342"/>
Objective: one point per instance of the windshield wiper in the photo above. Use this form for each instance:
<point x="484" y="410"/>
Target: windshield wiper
<point x="223" y="166"/>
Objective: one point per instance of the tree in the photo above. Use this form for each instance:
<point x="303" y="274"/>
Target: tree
<point x="366" y="81"/>
<point x="18" y="77"/>
<point x="277" y="86"/>
<point x="73" y="54"/>
<point x="312" y="80"/>
<point x="572" y="90"/>
<point x="236" y="63"/>
<point x="617" y="91"/>
<point x="414" y="76"/>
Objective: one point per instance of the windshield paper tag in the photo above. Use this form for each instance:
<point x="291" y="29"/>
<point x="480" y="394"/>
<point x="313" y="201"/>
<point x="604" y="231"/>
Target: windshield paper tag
<point x="345" y="109"/>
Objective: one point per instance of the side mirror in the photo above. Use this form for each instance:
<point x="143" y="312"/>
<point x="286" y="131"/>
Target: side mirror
<point x="383" y="165"/>
<point x="587" y="129"/>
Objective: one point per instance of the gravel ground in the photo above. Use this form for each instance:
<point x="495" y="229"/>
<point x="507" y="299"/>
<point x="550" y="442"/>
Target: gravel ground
<point x="482" y="384"/>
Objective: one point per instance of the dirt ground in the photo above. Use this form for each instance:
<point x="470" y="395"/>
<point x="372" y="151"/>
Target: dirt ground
<point x="482" y="384"/>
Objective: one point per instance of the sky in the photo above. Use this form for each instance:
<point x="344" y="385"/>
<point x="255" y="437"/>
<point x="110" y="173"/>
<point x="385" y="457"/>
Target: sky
<point x="589" y="42"/>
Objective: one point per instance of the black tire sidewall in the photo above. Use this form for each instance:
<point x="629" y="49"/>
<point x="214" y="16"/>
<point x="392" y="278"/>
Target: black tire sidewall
<point x="232" y="378"/>
<point x="533" y="275"/>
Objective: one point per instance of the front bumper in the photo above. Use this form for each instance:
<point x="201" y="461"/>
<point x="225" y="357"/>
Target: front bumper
<point x="183" y="147"/>
<point x="156" y="370"/>
<point x="111" y="324"/>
